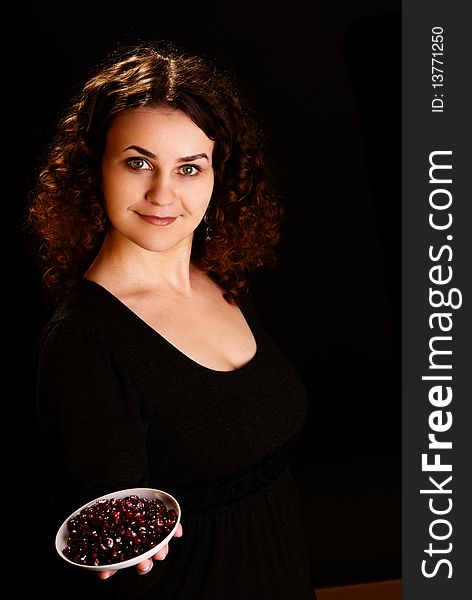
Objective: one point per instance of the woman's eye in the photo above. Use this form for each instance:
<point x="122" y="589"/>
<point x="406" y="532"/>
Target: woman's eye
<point x="189" y="169"/>
<point x="139" y="164"/>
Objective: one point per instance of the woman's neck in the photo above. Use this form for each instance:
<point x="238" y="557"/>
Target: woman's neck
<point x="126" y="268"/>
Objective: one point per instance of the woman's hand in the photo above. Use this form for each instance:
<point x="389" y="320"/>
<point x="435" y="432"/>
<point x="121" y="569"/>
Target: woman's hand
<point x="146" y="565"/>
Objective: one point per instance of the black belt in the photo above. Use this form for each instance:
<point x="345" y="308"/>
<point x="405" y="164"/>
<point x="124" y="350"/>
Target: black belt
<point x="221" y="493"/>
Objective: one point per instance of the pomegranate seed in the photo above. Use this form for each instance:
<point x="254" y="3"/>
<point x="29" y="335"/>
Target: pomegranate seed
<point x="114" y="530"/>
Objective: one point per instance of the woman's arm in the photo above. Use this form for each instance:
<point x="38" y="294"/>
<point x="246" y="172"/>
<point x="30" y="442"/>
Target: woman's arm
<point x="92" y="431"/>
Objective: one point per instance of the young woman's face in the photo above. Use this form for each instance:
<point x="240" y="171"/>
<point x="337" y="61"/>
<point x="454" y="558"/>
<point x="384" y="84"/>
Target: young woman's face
<point x="157" y="177"/>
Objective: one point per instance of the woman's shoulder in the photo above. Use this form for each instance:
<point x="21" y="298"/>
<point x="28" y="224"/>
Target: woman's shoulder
<point x="74" y="317"/>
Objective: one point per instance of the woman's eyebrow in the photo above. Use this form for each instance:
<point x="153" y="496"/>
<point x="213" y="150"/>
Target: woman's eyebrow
<point x="150" y="154"/>
<point x="147" y="153"/>
<point x="192" y="157"/>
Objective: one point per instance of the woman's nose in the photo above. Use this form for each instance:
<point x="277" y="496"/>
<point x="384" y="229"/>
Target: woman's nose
<point x="160" y="191"/>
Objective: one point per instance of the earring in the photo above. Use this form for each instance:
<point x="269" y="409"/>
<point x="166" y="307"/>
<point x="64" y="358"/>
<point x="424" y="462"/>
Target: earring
<point x="208" y="230"/>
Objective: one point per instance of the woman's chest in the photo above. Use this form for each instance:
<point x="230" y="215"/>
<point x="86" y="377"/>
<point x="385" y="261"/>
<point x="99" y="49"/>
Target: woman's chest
<point x="213" y="334"/>
<point x="205" y="424"/>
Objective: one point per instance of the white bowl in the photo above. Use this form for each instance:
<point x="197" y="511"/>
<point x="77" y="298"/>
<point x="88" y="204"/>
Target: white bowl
<point x="149" y="493"/>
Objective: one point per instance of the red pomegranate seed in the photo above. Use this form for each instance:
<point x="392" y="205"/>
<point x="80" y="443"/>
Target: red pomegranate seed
<point x="114" y="530"/>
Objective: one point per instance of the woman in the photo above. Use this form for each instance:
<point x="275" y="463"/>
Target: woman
<point x="152" y="209"/>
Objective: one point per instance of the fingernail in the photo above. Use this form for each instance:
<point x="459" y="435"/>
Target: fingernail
<point x="106" y="576"/>
<point x="144" y="571"/>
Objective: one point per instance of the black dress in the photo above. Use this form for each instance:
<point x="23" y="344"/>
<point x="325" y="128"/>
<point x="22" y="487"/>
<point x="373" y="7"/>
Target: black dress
<point x="121" y="407"/>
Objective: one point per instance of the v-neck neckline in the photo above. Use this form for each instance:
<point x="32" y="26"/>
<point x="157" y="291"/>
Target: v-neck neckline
<point x="248" y="364"/>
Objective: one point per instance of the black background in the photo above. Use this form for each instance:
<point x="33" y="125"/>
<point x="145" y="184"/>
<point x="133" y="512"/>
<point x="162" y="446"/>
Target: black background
<point x="325" y="82"/>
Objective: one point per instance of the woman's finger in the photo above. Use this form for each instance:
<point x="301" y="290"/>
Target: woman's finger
<point x="105" y="574"/>
<point x="144" y="566"/>
<point x="162" y="553"/>
<point x="179" y="531"/>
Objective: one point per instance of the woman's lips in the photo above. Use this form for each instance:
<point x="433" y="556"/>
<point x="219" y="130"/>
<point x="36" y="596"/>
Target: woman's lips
<point x="159" y="221"/>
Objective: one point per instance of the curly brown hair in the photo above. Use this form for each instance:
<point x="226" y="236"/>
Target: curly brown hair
<point x="66" y="210"/>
